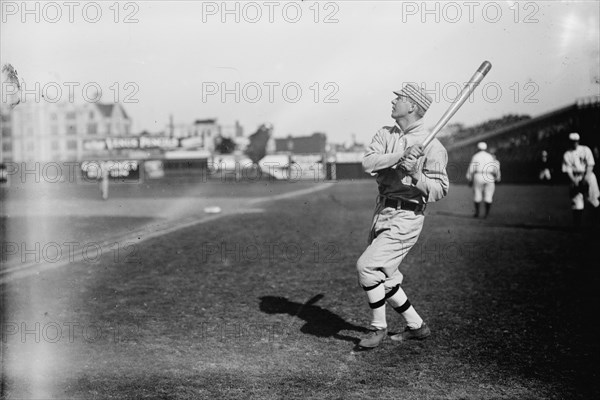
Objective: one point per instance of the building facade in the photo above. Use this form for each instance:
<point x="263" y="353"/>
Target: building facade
<point x="56" y="131"/>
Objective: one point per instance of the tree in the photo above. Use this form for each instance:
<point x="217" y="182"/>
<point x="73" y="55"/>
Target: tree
<point x="225" y="145"/>
<point x="257" y="148"/>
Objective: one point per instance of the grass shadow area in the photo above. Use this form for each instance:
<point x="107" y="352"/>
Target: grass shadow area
<point x="319" y="322"/>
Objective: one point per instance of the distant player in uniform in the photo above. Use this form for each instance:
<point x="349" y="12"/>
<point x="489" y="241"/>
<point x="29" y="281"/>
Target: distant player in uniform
<point x="408" y="177"/>
<point x="482" y="174"/>
<point x="103" y="179"/>
<point x="544" y="167"/>
<point x="578" y="164"/>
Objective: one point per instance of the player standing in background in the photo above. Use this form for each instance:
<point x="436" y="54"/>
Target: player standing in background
<point x="482" y="174"/>
<point x="103" y="179"/>
<point x="408" y="177"/>
<point x="544" y="167"/>
<point x="578" y="164"/>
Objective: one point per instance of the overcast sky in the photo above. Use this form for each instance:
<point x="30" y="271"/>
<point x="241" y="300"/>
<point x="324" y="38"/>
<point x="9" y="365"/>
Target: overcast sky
<point x="345" y="57"/>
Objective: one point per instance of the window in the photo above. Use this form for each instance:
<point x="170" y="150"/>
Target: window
<point x="5" y="131"/>
<point x="53" y="117"/>
<point x="72" y="145"/>
<point x="71" y="115"/>
<point x="6" y="146"/>
<point x="71" y="130"/>
<point x="108" y="129"/>
<point x="54" y="145"/>
<point x="92" y="129"/>
<point x="91" y="115"/>
<point x="30" y="146"/>
<point x="54" y="130"/>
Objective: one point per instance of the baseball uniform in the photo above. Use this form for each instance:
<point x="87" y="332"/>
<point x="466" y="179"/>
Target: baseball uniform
<point x="398" y="217"/>
<point x="577" y="161"/>
<point x="483" y="171"/>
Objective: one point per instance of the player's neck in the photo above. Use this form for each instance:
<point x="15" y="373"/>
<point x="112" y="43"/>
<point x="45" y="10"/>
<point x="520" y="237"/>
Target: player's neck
<point x="405" y="122"/>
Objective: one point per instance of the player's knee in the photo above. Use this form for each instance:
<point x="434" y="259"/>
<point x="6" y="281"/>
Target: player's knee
<point x="362" y="264"/>
<point x="368" y="275"/>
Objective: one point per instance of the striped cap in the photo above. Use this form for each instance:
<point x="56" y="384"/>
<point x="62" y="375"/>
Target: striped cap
<point x="416" y="94"/>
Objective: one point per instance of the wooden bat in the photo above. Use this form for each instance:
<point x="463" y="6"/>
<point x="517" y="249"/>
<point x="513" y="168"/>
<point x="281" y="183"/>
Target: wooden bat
<point x="466" y="91"/>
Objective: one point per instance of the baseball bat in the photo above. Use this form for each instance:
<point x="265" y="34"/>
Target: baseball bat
<point x="466" y="91"/>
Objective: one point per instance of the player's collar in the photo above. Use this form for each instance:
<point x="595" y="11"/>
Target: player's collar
<point x="415" y="127"/>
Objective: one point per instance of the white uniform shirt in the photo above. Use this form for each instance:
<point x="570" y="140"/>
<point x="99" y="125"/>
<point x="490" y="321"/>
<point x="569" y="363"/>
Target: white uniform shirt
<point x="576" y="160"/>
<point x="384" y="152"/>
<point x="484" y="163"/>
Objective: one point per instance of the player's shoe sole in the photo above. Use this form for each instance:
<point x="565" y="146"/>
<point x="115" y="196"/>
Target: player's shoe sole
<point x="373" y="339"/>
<point x="412" y="334"/>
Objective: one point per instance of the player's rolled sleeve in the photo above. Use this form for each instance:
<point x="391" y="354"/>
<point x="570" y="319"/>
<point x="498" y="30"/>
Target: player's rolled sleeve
<point x="375" y="158"/>
<point x="433" y="181"/>
<point x="471" y="169"/>
<point x="498" y="173"/>
<point x="589" y="157"/>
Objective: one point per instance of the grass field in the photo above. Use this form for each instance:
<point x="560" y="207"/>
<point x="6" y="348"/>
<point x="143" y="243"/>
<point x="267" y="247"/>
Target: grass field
<point x="266" y="305"/>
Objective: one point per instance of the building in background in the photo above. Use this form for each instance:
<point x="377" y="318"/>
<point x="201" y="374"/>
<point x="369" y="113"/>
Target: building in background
<point x="307" y="154"/>
<point x="314" y="144"/>
<point x="206" y="130"/>
<point x="5" y="135"/>
<point x="345" y="160"/>
<point x="57" y="131"/>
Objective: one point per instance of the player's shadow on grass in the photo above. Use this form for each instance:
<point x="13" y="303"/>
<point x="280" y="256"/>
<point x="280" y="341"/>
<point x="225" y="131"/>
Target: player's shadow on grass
<point x="319" y="321"/>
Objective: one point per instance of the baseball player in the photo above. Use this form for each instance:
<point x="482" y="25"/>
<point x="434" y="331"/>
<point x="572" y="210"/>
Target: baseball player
<point x="103" y="179"/>
<point x="409" y="176"/>
<point x="545" y="174"/>
<point x="578" y="164"/>
<point x="482" y="174"/>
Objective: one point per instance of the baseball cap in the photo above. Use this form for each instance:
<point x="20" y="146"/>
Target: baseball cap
<point x="416" y="94"/>
<point x="482" y="146"/>
<point x="574" y="136"/>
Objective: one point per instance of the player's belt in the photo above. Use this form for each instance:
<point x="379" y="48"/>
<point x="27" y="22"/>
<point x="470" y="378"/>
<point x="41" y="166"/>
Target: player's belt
<point x="403" y="205"/>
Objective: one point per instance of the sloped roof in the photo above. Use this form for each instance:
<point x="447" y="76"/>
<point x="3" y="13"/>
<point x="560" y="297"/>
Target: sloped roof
<point x="107" y="109"/>
<point x="506" y="129"/>
<point x="581" y="103"/>
<point x="205" y="121"/>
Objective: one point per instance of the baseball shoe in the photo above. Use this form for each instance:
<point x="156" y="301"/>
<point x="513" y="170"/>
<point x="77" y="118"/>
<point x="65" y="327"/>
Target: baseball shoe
<point x="412" y="334"/>
<point x="373" y="339"/>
